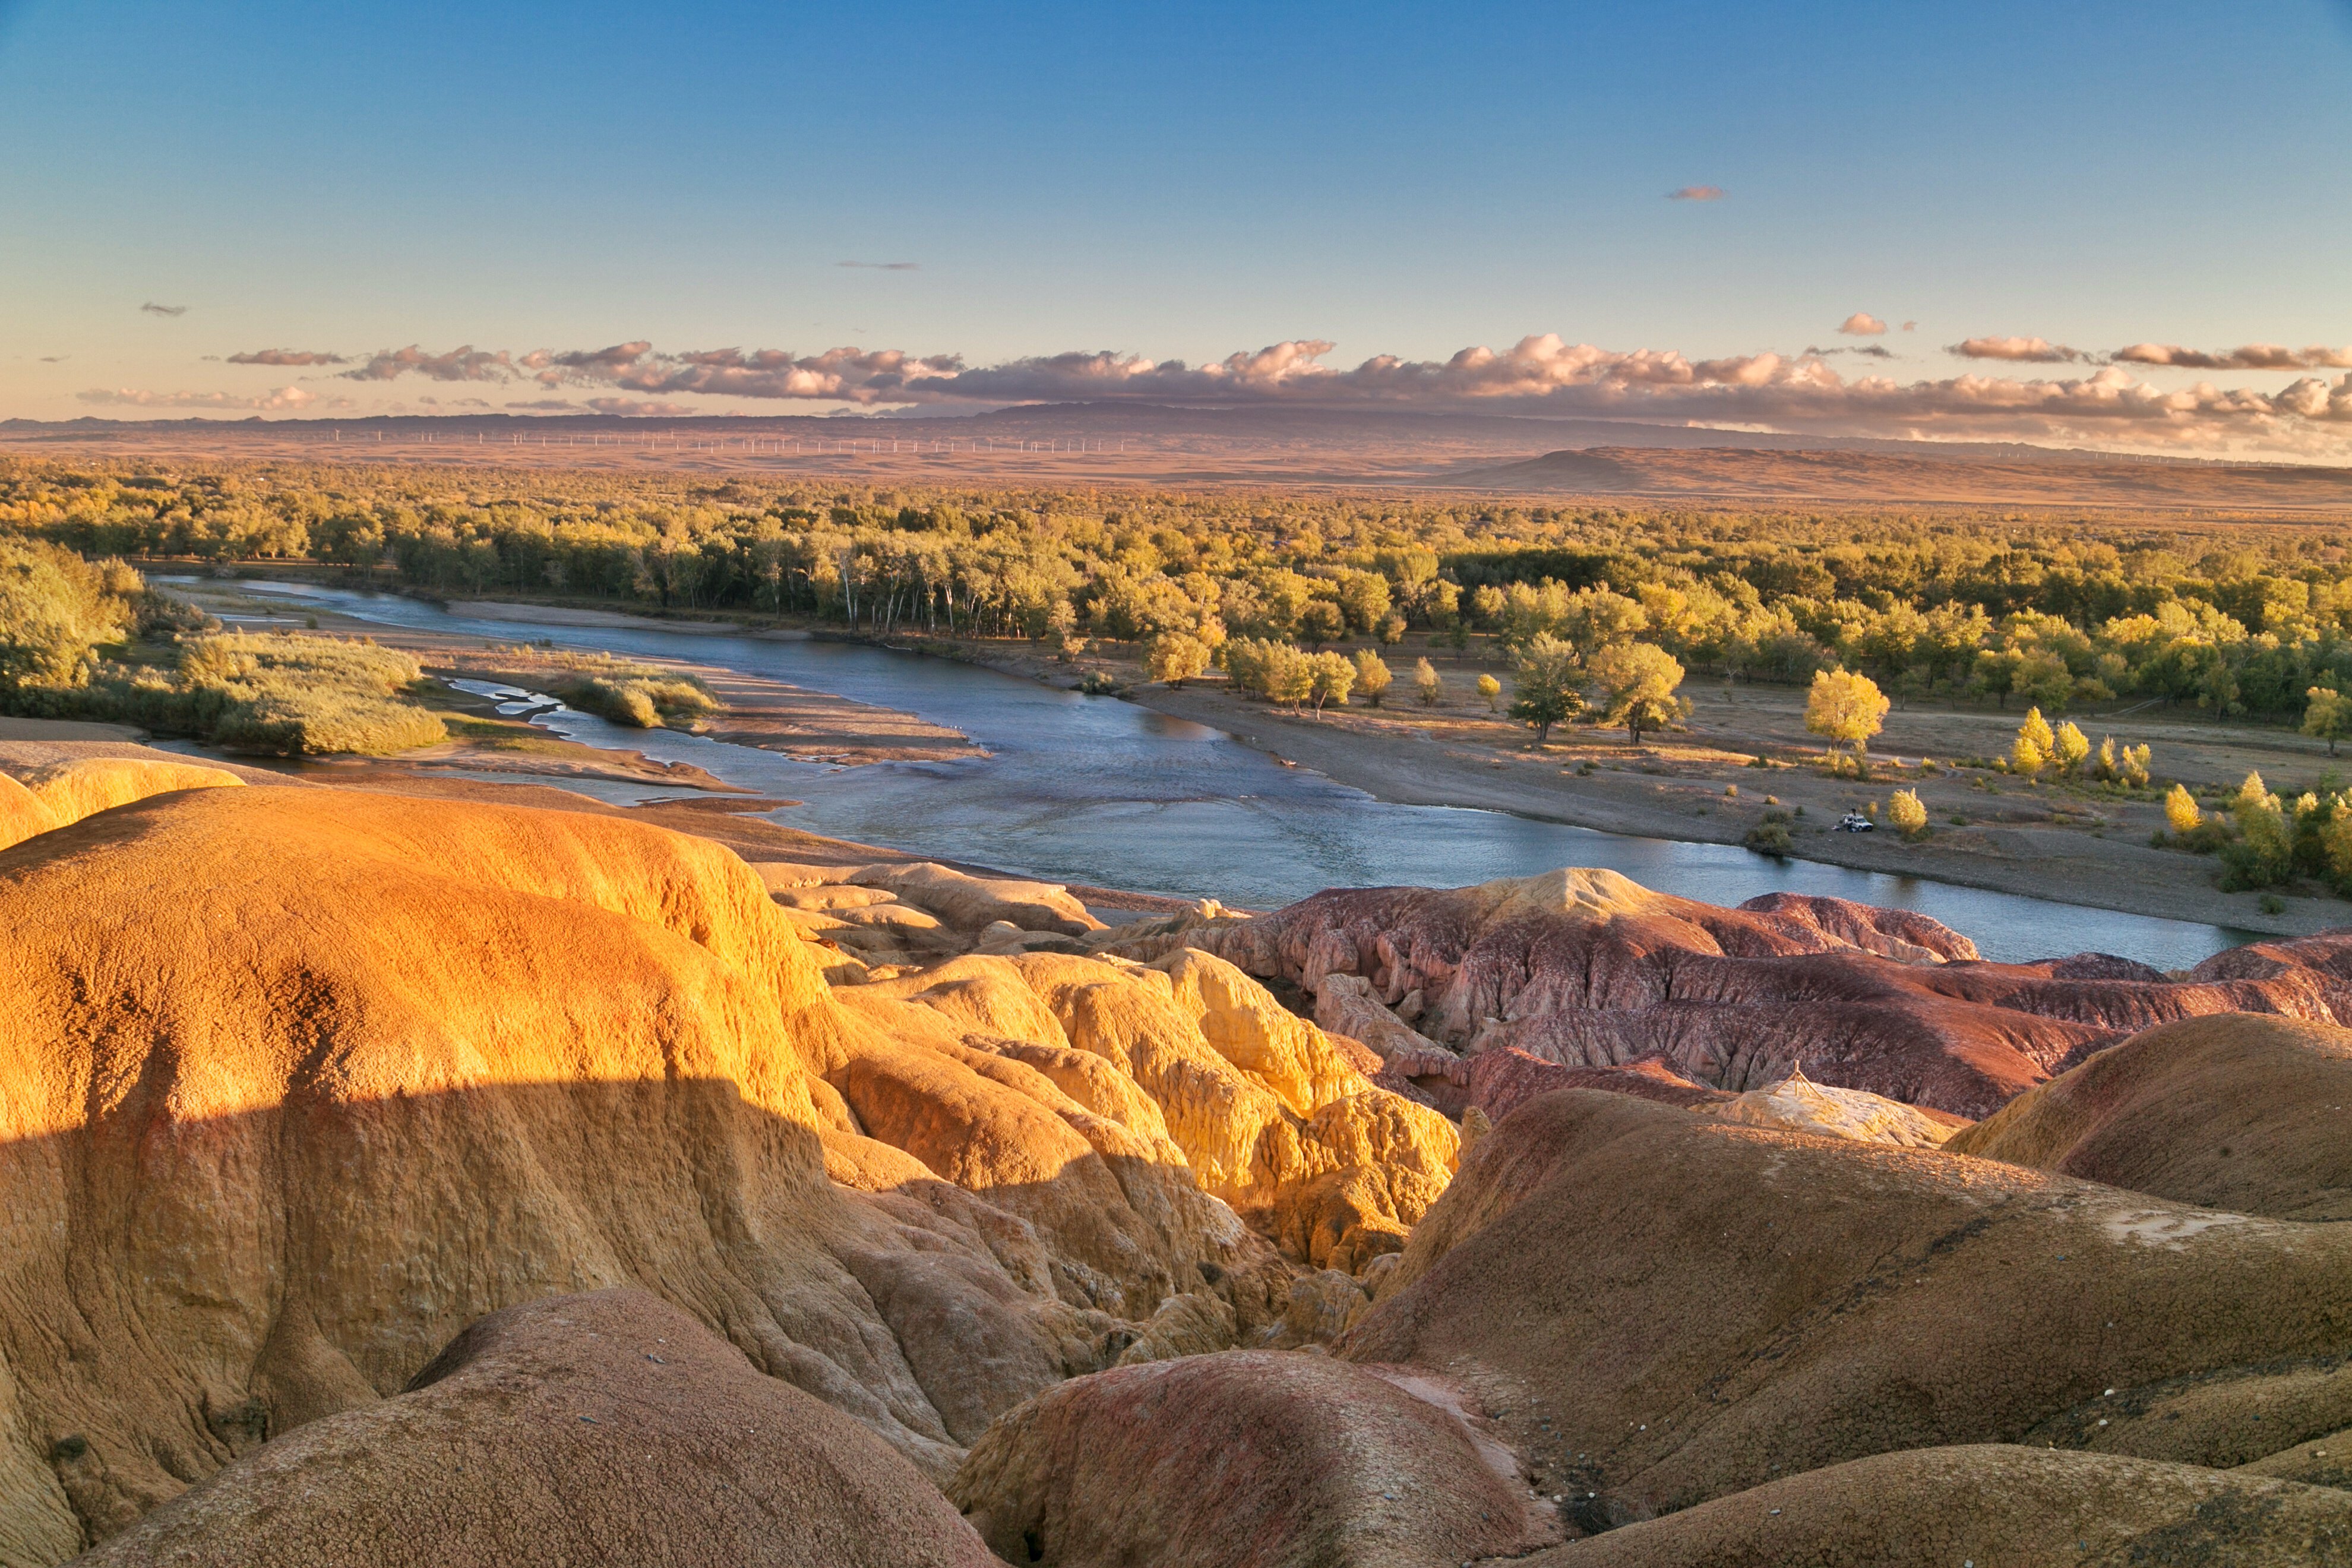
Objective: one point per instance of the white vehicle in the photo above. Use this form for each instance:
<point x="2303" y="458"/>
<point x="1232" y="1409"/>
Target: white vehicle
<point x="1855" y="821"/>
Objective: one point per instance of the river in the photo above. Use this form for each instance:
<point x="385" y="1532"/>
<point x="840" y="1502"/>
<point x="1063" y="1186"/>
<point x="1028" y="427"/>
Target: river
<point x="1092" y="789"/>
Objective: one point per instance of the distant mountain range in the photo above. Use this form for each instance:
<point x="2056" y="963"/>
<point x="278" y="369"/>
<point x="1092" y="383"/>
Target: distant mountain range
<point x="1132" y="444"/>
<point x="1917" y="473"/>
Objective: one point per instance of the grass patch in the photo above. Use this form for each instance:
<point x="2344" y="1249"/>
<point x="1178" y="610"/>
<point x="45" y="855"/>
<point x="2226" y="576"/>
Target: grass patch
<point x="653" y="701"/>
<point x="283" y="695"/>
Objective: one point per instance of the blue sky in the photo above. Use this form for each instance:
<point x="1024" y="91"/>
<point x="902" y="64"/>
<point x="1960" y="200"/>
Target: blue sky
<point x="1172" y="183"/>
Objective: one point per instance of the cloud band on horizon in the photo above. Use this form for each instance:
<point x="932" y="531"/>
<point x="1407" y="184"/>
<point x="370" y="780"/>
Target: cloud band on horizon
<point x="1541" y="374"/>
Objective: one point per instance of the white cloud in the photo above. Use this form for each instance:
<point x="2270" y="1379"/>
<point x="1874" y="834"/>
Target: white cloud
<point x="1542" y="374"/>
<point x="2028" y="351"/>
<point x="285" y="398"/>
<point x="2251" y="356"/>
<point x="464" y="363"/>
<point x="1862" y="324"/>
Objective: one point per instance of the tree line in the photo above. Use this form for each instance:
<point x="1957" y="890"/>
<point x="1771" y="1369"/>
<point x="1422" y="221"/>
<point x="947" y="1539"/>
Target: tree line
<point x="2229" y="615"/>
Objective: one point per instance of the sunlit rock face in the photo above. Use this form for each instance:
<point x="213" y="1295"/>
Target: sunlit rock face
<point x="302" y="1082"/>
<point x="1587" y="969"/>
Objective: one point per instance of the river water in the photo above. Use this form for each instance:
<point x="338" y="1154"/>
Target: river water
<point x="1092" y="789"/>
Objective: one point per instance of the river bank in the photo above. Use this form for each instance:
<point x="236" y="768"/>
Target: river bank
<point x="1179" y="811"/>
<point x="2061" y="843"/>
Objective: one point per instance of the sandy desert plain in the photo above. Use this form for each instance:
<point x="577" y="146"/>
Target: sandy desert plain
<point x="433" y="1156"/>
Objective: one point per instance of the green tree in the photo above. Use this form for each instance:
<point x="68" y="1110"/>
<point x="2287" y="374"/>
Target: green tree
<point x="2335" y="844"/>
<point x="1364" y="599"/>
<point x="1322" y="621"/>
<point x="1290" y="675"/>
<point x="1544" y="687"/>
<point x="1845" y="707"/>
<point x="56" y="611"/>
<point x="2327" y="717"/>
<point x="2264" y="855"/>
<point x="1372" y="676"/>
<point x="1636" y="682"/>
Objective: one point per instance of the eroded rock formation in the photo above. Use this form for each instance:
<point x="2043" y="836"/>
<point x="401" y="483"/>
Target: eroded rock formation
<point x="1280" y="1460"/>
<point x="2271" y="1132"/>
<point x="1673" y="1309"/>
<point x="609" y="1428"/>
<point x="932" y="1179"/>
<point x="1587" y="969"/>
<point x="1990" y="1504"/>
<point x="304" y="1080"/>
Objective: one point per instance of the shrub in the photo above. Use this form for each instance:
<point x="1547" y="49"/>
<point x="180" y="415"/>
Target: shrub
<point x="642" y="701"/>
<point x="1426" y="686"/>
<point x="57" y="610"/>
<point x="2069" y="747"/>
<point x="1490" y="689"/>
<point x="1372" y="675"/>
<point x="1770" y="836"/>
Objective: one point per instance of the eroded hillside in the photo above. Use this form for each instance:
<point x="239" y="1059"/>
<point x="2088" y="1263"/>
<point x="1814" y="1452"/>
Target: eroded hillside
<point x="555" y="1183"/>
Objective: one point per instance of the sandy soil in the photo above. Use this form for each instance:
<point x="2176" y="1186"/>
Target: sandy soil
<point x="2070" y="843"/>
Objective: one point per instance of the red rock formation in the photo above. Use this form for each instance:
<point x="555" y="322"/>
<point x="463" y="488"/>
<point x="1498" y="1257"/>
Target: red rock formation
<point x="1499" y="1081"/>
<point x="1587" y="969"/>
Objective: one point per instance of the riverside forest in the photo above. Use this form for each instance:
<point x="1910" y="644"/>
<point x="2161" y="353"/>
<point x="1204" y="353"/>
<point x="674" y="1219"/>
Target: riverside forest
<point x="2227" y="617"/>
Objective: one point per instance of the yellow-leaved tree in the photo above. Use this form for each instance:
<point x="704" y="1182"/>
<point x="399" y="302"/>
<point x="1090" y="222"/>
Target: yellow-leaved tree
<point x="1906" y="812"/>
<point x="2034" y="745"/>
<point x="2068" y="747"/>
<point x="1177" y="657"/>
<point x="1847" y="708"/>
<point x="2180" y="813"/>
